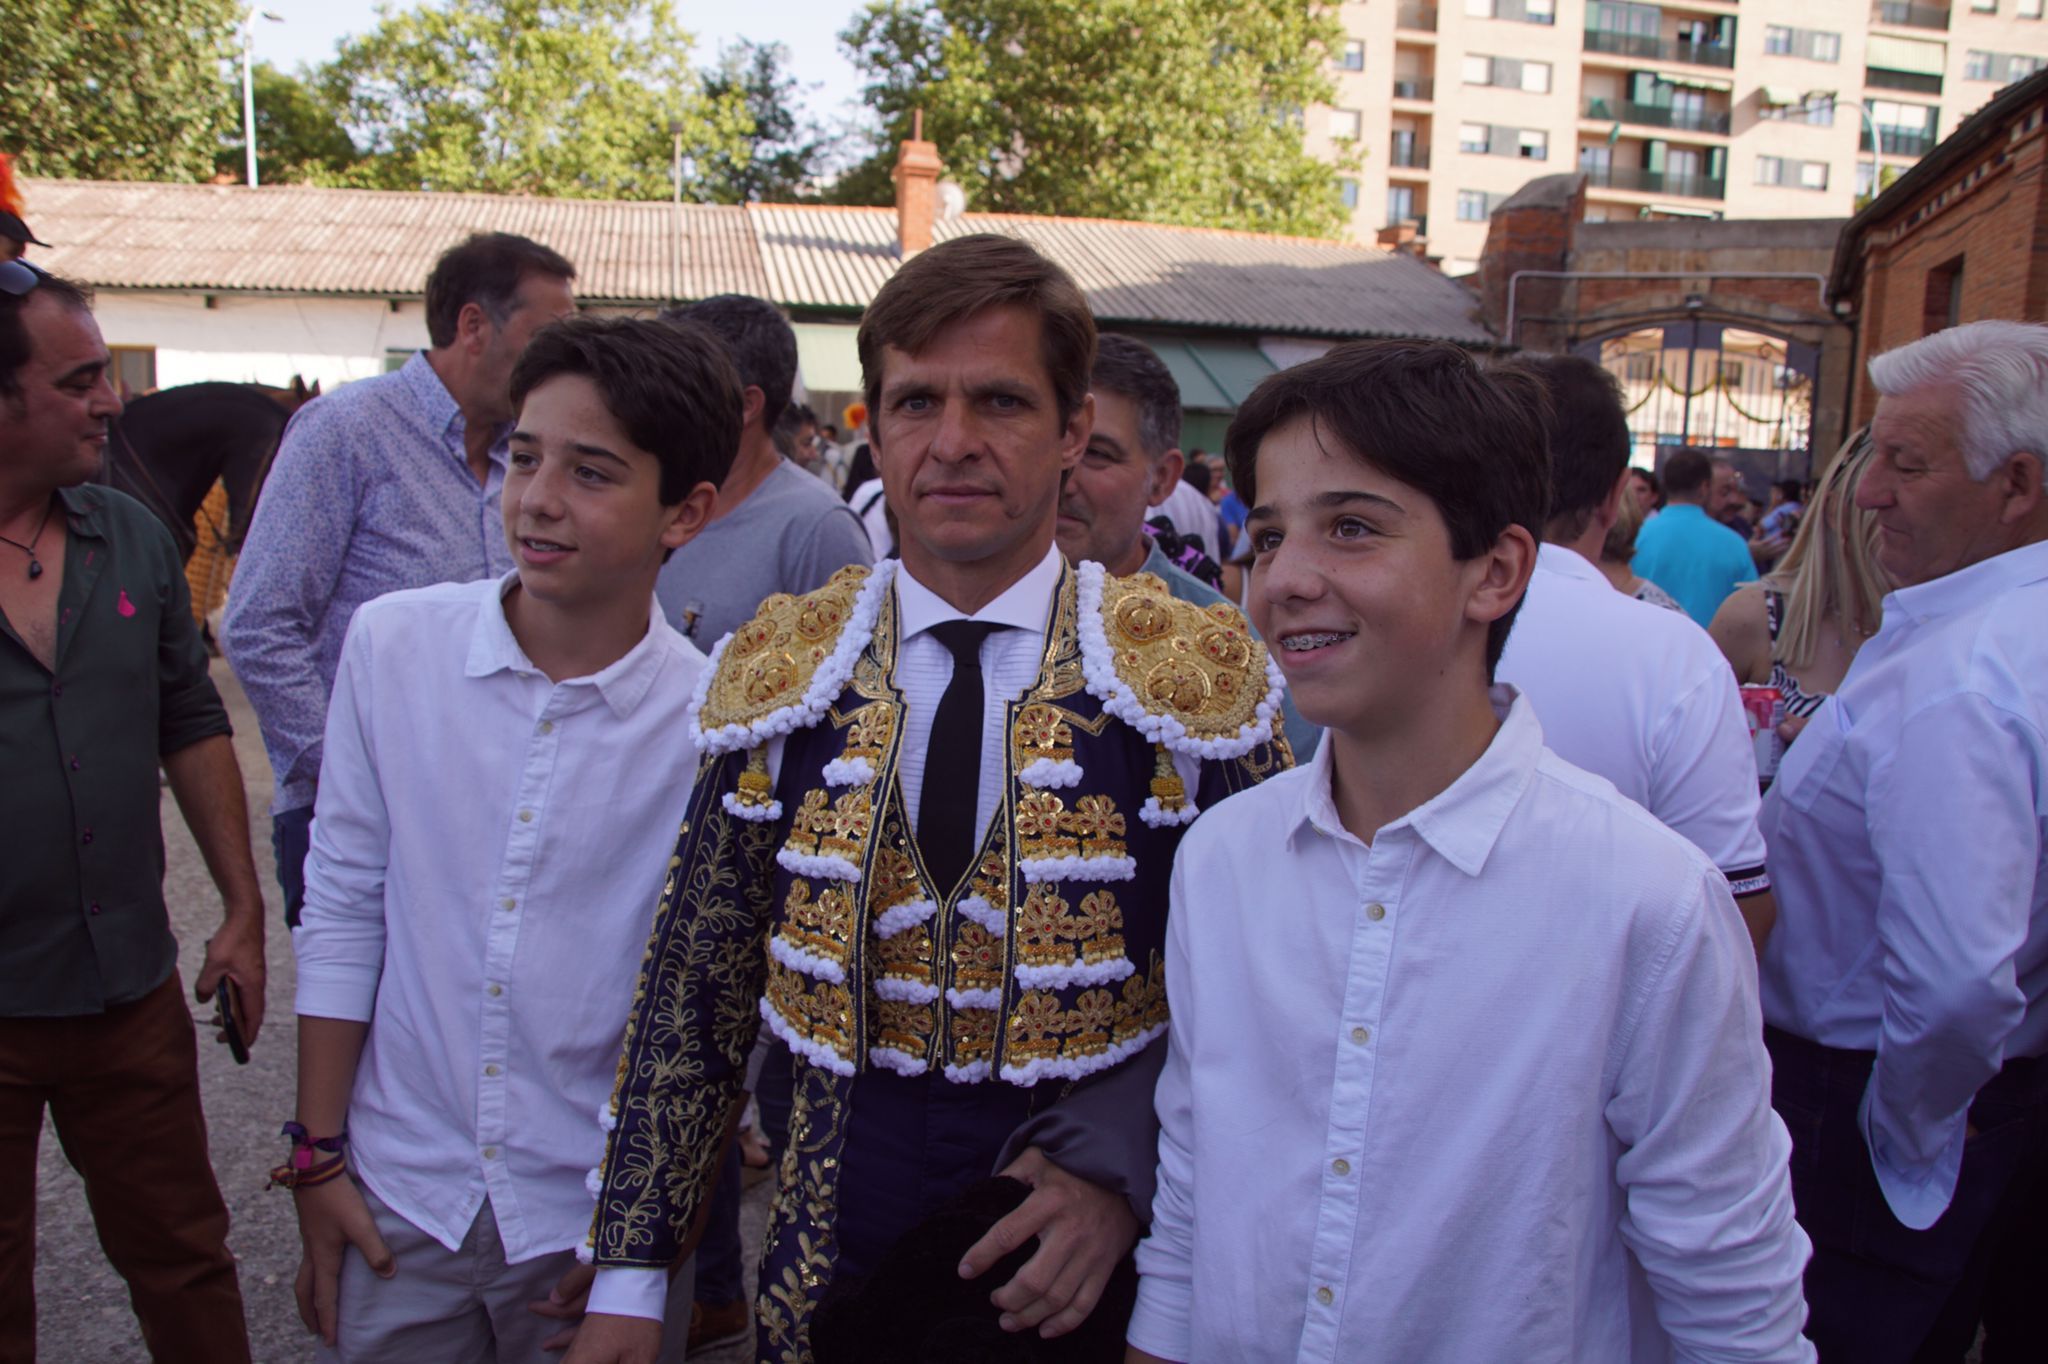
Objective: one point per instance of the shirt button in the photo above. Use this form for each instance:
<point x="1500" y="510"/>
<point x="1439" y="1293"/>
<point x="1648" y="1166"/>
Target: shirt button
<point x="56" y="689"/>
<point x="1341" y="1166"/>
<point x="74" y="764"/>
<point x="1375" y="911"/>
<point x="93" y="908"/>
<point x="547" y="726"/>
<point x="526" y="816"/>
<point x="490" y="1153"/>
<point x="1325" y="1296"/>
<point x="1361" y="1035"/>
<point x="490" y="1070"/>
<point x="88" y="836"/>
<point x="508" y="903"/>
<point x="496" y="990"/>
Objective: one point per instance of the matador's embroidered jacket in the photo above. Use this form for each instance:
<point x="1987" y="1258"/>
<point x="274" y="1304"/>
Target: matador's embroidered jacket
<point x="801" y="901"/>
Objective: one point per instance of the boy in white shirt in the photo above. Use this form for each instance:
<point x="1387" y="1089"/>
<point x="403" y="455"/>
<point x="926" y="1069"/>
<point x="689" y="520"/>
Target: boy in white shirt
<point x="1473" y="1070"/>
<point x="506" y="765"/>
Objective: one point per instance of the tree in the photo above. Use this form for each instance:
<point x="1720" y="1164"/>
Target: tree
<point x="299" y="137"/>
<point x="778" y="158"/>
<point x="1183" y="113"/>
<point x="117" y="89"/>
<point x="564" y="98"/>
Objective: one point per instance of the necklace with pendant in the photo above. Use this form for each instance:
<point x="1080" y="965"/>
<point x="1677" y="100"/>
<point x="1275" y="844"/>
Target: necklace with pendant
<point x="35" y="565"/>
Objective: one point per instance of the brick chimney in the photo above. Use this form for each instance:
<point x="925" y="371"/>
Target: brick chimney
<point x="917" y="190"/>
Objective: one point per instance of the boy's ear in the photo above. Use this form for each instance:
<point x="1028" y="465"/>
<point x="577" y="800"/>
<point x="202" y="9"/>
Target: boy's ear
<point x="689" y="516"/>
<point x="1503" y="575"/>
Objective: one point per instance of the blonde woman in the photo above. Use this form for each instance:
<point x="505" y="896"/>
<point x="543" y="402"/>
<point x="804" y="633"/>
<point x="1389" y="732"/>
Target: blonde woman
<point x="1619" y="548"/>
<point x="1800" y="627"/>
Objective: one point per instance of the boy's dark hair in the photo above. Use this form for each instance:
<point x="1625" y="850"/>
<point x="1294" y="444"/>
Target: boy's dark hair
<point x="1687" y="473"/>
<point x="1589" y="442"/>
<point x="668" y="384"/>
<point x="1426" y="413"/>
<point x="759" y="340"/>
<point x="15" y="345"/>
<point x="1132" y="369"/>
<point x="1197" y="473"/>
<point x="486" y="270"/>
<point x="1791" y="488"/>
<point x="957" y="279"/>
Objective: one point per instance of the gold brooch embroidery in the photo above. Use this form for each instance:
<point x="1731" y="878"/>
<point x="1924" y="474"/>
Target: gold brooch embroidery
<point x="769" y="662"/>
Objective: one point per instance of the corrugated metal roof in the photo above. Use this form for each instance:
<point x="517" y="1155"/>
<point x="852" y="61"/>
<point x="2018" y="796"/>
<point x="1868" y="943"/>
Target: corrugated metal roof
<point x="293" y="239"/>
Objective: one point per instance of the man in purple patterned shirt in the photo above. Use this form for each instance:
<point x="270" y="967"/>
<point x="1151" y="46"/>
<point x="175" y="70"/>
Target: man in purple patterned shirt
<point x="388" y="483"/>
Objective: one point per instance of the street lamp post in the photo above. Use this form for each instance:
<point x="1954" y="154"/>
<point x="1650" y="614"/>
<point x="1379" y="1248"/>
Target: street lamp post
<point x="249" y="90"/>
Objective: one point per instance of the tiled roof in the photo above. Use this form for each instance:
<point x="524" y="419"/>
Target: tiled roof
<point x="292" y="239"/>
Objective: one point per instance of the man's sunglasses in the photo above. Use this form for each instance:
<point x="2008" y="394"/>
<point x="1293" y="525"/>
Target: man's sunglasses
<point x="17" y="277"/>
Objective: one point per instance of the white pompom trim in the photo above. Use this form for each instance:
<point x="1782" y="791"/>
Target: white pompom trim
<point x="1161" y="818"/>
<point x="585" y="1255"/>
<point x="1078" y="868"/>
<point x="760" y="814"/>
<point x="1048" y="772"/>
<point x="974" y="999"/>
<point x="593" y="1183"/>
<point x="907" y="915"/>
<point x="849" y="772"/>
<point x="1098" y="666"/>
<point x="902" y="1062"/>
<point x="806" y="963"/>
<point x="974" y="1072"/>
<point x="824" y="866"/>
<point x="606" y="1119"/>
<point x="826" y="683"/>
<point x="1074" y="973"/>
<point x="1074" y="1067"/>
<point x="977" y="909"/>
<point x="817" y="1053"/>
<point x="905" y="991"/>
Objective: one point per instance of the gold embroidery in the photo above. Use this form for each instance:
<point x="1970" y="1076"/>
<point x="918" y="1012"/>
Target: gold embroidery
<point x="819" y="1010"/>
<point x="977" y="959"/>
<point x="770" y="660"/>
<point x="905" y="956"/>
<point x="822" y="926"/>
<point x="892" y="881"/>
<point x="905" y="1026"/>
<point x="1167" y="787"/>
<point x="1046" y="828"/>
<point x="1143" y="1002"/>
<point x="973" y="1035"/>
<point x="800" y="1240"/>
<point x="1042" y="731"/>
<point x="1100" y="827"/>
<point x="1200" y="666"/>
<point x="1035" y="1027"/>
<point x="1099" y="927"/>
<point x="869" y="733"/>
<point x="756" y="788"/>
<point x="833" y="828"/>
<point x="1042" y="925"/>
<point x="1088" y="1024"/>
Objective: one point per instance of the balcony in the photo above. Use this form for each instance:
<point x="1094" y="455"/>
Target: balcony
<point x="1414" y="87"/>
<point x="1659" y="116"/>
<point x="1418" y="18"/>
<point x="1655" y="182"/>
<point x="1914" y="81"/>
<point x="1899" y="141"/>
<point x="1902" y="15"/>
<point x="1411" y="156"/>
<point x="1658" y="49"/>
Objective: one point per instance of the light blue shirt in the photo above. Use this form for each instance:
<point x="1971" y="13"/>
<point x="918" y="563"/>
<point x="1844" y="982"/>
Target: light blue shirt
<point x="1693" y="557"/>
<point x="1907" y="830"/>
<point x="371" y="492"/>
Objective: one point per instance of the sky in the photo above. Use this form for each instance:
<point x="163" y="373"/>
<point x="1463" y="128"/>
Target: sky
<point x="808" y="28"/>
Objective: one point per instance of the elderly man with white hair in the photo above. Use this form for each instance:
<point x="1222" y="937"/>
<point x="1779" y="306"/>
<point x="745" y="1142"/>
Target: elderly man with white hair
<point x="1906" y="986"/>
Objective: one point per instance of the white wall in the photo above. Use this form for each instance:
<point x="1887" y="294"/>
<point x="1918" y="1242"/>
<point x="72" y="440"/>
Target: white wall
<point x="245" y="339"/>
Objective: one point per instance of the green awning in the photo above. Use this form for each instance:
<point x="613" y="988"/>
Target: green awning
<point x="827" y="357"/>
<point x="1213" y="375"/>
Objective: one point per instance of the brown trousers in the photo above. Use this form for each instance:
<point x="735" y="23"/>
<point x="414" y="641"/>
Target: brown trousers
<point x="122" y="1088"/>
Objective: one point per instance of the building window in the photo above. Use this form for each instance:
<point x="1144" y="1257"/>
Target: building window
<point x="2028" y="9"/>
<point x="134" y="370"/>
<point x="1778" y="170"/>
<point x="1813" y="175"/>
<point x="1729" y="373"/>
<point x="1508" y="72"/>
<point x="1353" y="57"/>
<point x="1943" y="307"/>
<point x="1347" y="190"/>
<point x="1473" y="137"/>
<point x="1400" y="203"/>
<point x="1346" y="125"/>
<point x="1640" y="366"/>
<point x="1984" y="6"/>
<point x="1812" y="43"/>
<point x="1532" y="144"/>
<point x="1474" y="205"/>
<point x="1816" y="108"/>
<point x="1977" y="66"/>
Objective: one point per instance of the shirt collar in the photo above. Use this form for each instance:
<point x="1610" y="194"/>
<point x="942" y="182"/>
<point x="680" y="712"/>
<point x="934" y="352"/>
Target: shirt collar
<point x="1464" y="820"/>
<point x="82" y="504"/>
<point x="1024" y="605"/>
<point x="438" y="405"/>
<point x="1967" y="587"/>
<point x="1568" y="563"/>
<point x="623" y="684"/>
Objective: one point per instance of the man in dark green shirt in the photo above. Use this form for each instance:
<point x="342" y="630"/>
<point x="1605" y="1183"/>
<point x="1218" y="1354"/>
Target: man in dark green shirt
<point x="103" y="677"/>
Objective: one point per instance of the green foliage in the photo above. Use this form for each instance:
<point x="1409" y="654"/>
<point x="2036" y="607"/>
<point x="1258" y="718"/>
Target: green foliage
<point x="299" y="137"/>
<point x="117" y="89"/>
<point x="563" y="98"/>
<point x="778" y="157"/>
<point x="1186" y="112"/>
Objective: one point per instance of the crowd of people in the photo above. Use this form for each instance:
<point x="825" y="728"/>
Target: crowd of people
<point x="1339" y="901"/>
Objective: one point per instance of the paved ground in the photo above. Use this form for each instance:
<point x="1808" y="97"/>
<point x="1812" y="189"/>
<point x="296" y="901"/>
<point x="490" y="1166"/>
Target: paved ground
<point x="82" y="1306"/>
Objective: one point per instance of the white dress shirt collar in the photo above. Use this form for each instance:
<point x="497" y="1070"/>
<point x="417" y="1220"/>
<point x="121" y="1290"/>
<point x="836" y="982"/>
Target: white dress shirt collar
<point x="623" y="684"/>
<point x="1967" y="587"/>
<point x="1568" y="563"/>
<point x="1024" y="605"/>
<point x="1463" y="821"/>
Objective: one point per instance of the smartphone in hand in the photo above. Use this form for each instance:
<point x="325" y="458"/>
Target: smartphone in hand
<point x="227" y="1019"/>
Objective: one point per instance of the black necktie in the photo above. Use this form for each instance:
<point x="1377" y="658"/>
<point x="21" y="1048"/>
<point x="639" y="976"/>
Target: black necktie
<point x="952" y="768"/>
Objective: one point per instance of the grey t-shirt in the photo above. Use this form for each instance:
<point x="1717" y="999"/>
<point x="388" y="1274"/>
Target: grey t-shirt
<point x="790" y="535"/>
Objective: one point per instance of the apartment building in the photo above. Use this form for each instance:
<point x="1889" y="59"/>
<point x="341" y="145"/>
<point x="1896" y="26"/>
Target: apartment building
<point x="1708" y="108"/>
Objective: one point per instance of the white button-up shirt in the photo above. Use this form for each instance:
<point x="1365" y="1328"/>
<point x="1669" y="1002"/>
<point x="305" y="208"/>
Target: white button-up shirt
<point x="487" y="851"/>
<point x="1490" y="1088"/>
<point x="1640" y="695"/>
<point x="1909" y="846"/>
